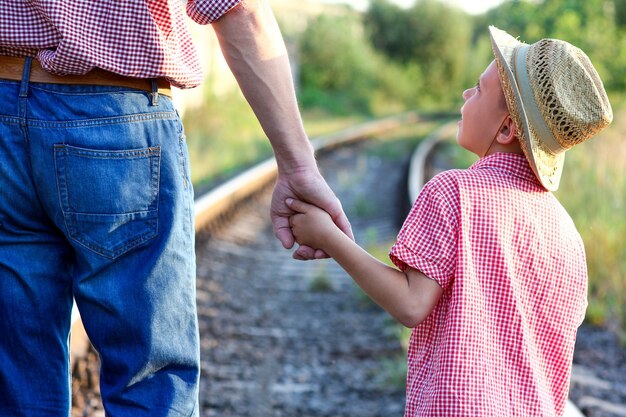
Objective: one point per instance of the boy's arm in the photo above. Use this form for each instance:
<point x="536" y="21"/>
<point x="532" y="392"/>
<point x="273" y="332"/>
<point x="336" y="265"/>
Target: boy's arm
<point x="409" y="296"/>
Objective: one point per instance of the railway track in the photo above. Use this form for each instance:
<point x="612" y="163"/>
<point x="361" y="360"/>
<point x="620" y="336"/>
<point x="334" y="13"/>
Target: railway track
<point x="287" y="338"/>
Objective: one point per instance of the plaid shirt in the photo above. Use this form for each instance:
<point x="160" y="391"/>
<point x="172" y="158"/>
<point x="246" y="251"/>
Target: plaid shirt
<point x="136" y="38"/>
<point x="512" y="266"/>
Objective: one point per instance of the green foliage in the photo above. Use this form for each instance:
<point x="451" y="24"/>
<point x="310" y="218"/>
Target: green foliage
<point x="593" y="190"/>
<point x="321" y="281"/>
<point x="620" y="13"/>
<point x="392" y="372"/>
<point x="363" y="206"/>
<point x="432" y="37"/>
<point x="223" y="137"/>
<point x="595" y="26"/>
<point x="335" y="59"/>
<point x="426" y="55"/>
<point x="390" y="58"/>
<point x="341" y="72"/>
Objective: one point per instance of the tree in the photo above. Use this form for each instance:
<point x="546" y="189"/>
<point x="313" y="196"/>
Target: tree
<point x="431" y="35"/>
<point x="336" y="59"/>
<point x="591" y="25"/>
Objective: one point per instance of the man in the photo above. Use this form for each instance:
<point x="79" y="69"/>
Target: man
<point x="96" y="202"/>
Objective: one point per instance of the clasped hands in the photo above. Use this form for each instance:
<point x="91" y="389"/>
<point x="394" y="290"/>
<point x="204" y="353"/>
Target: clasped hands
<point x="305" y="210"/>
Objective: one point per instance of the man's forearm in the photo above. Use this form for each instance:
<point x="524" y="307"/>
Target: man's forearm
<point x="255" y="51"/>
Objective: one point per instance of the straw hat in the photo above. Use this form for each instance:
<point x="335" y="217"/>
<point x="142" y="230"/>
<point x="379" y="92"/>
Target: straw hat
<point x="555" y="97"/>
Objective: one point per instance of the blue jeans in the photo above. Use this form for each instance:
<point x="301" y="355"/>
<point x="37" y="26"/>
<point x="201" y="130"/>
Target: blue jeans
<point x="96" y="204"/>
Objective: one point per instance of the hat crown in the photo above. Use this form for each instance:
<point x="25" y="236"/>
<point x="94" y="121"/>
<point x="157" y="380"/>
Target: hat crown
<point x="568" y="91"/>
<point x="555" y="98"/>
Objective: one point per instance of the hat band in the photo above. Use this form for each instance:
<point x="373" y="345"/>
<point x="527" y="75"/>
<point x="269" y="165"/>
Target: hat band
<point x="528" y="100"/>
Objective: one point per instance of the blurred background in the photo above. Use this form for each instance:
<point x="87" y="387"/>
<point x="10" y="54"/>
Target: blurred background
<point x="359" y="60"/>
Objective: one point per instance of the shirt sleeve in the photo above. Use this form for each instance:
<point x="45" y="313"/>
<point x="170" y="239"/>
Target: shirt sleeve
<point x="427" y="241"/>
<point x="208" y="11"/>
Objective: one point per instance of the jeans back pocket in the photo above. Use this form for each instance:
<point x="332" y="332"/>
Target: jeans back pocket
<point x="109" y="198"/>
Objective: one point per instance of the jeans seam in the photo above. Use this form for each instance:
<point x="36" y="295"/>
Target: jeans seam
<point x="107" y="154"/>
<point x="60" y="198"/>
<point x="104" y="120"/>
<point x="12" y="120"/>
<point x="109" y="90"/>
<point x="181" y="139"/>
<point x="156" y="179"/>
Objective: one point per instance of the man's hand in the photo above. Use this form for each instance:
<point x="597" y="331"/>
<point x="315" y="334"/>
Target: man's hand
<point x="308" y="186"/>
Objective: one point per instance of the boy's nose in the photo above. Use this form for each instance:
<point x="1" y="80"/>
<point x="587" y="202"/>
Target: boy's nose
<point x="467" y="93"/>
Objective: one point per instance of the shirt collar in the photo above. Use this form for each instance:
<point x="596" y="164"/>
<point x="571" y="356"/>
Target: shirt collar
<point x="509" y="163"/>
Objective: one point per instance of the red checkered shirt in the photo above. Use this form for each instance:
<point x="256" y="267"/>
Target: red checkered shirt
<point x="136" y="38"/>
<point x="512" y="266"/>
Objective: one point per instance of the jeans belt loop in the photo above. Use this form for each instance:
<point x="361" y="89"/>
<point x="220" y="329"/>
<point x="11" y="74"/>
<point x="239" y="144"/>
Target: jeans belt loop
<point x="155" y="92"/>
<point x="25" y="77"/>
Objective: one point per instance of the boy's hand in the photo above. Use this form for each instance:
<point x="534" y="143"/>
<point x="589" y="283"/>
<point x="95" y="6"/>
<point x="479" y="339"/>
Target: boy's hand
<point x="306" y="186"/>
<point x="311" y="226"/>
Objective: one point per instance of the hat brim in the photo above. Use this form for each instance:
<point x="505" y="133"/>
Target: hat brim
<point x="546" y="165"/>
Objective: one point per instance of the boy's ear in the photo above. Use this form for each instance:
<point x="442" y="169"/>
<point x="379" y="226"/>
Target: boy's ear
<point x="508" y="132"/>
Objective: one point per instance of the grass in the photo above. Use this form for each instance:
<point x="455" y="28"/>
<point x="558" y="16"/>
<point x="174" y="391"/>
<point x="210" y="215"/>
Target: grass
<point x="363" y="206"/>
<point x="457" y="156"/>
<point x="321" y="281"/>
<point x="392" y="372"/>
<point x="223" y="138"/>
<point x="593" y="190"/>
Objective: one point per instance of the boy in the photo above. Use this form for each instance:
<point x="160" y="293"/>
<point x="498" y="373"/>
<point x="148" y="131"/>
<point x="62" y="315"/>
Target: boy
<point x="492" y="270"/>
